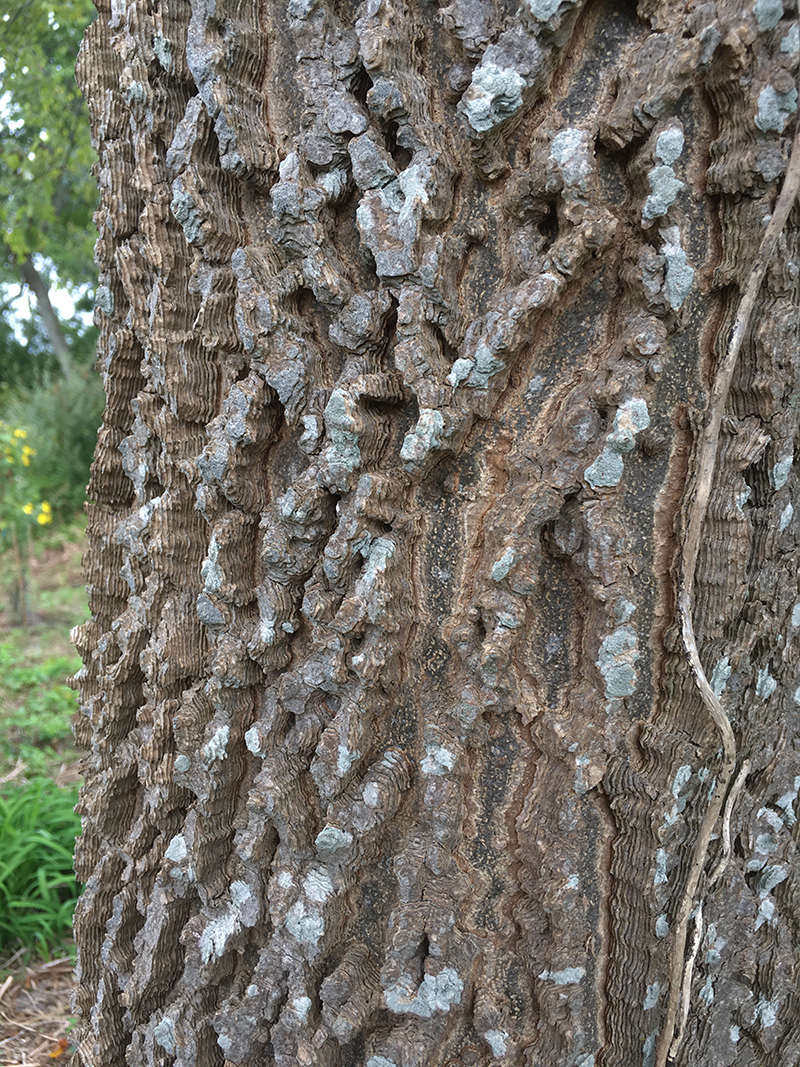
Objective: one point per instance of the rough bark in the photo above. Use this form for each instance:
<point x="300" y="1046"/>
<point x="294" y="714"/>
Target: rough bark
<point x="410" y="321"/>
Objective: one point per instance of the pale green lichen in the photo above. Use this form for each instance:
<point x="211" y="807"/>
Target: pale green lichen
<point x="669" y="145"/>
<point x="606" y="470"/>
<point x="164" y="1034"/>
<point x="652" y="995"/>
<point x="436" y="994"/>
<point x="503" y="565"/>
<point x="438" y="760"/>
<point x="682" y="776"/>
<point x="768" y="13"/>
<point x="631" y="418"/>
<point x="660" y="875"/>
<point x="426" y="435"/>
<point x="216" y="748"/>
<point x="775" y="109"/>
<point x="766" y="684"/>
<point x="679" y="274"/>
<point x="569" y="976"/>
<point x="779" y="474"/>
<point x="494" y="94"/>
<point x="176" y="850"/>
<point x="305" y="925"/>
<point x="616" y="658"/>
<point x="496" y="1040"/>
<point x="664" y="189"/>
<point x="216" y="935"/>
<point x="185" y="212"/>
<point x="331" y="839"/>
<point x="543" y="10"/>
<point x="720" y="676"/>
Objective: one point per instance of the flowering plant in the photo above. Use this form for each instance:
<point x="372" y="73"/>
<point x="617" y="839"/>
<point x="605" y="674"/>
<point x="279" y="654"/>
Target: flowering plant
<point x="20" y="510"/>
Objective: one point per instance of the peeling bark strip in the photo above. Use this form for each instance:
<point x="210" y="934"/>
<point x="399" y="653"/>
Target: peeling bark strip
<point x="411" y="322"/>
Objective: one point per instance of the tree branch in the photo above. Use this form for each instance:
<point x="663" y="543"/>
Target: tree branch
<point x="55" y="333"/>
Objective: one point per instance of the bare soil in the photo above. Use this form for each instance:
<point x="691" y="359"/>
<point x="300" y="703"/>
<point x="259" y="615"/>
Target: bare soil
<point x="35" y="1020"/>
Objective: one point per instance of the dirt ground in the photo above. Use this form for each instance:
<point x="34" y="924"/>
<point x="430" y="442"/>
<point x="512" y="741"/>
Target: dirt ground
<point x="35" y="1018"/>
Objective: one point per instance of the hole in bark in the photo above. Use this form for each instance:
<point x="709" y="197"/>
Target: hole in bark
<point x="548" y="227"/>
<point x="362" y="83"/>
<point x="448" y="351"/>
<point x="400" y="155"/>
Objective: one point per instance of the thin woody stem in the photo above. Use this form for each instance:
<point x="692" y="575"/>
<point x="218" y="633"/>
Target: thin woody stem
<point x="706" y="464"/>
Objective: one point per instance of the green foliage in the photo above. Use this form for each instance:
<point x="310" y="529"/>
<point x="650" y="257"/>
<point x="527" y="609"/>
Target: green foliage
<point x="62" y="421"/>
<point x="38" y="889"/>
<point x="47" y="193"/>
<point x="38" y="708"/>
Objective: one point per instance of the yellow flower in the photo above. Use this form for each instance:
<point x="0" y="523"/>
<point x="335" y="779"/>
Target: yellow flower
<point x="28" y="451"/>
<point x="21" y="434"/>
<point x="43" y="519"/>
<point x="9" y="459"/>
<point x="46" y="507"/>
<point x="26" y="461"/>
<point x="28" y="508"/>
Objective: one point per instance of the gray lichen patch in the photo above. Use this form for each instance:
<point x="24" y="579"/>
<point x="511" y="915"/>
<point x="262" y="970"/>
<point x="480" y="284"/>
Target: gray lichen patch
<point x="779" y="473"/>
<point x="216" y="935"/>
<point x="567" y="976"/>
<point x="669" y="145"/>
<point x="631" y="418"/>
<point x="435" y="994"/>
<point x="331" y="839"/>
<point x="679" y="273"/>
<point x="775" y="109"/>
<point x="494" y="94"/>
<point x="768" y="13"/>
<point x="720" y="676"/>
<point x="664" y="188"/>
<point x="185" y="211"/>
<point x="572" y="150"/>
<point x="424" y="438"/>
<point x="503" y="565"/>
<point x="498" y="82"/>
<point x="606" y="470"/>
<point x="217" y="747"/>
<point x="305" y="923"/>
<point x="616" y="662"/>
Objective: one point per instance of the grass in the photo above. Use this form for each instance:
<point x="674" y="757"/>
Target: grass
<point x="37" y="887"/>
<point x="39" y="773"/>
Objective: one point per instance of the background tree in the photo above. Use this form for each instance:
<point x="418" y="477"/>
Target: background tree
<point x="47" y="194"/>
<point x="420" y="484"/>
<point x="47" y="197"/>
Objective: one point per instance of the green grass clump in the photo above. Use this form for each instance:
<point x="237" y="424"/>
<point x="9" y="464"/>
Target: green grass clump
<point x="38" y="889"/>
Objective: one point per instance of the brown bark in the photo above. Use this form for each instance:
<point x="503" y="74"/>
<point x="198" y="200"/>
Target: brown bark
<point x="411" y="323"/>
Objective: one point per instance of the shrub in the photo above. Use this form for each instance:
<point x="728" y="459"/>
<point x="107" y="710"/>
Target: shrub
<point x="61" y="420"/>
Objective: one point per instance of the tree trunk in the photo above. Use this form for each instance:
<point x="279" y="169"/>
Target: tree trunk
<point x="55" y="334"/>
<point x="441" y="686"/>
